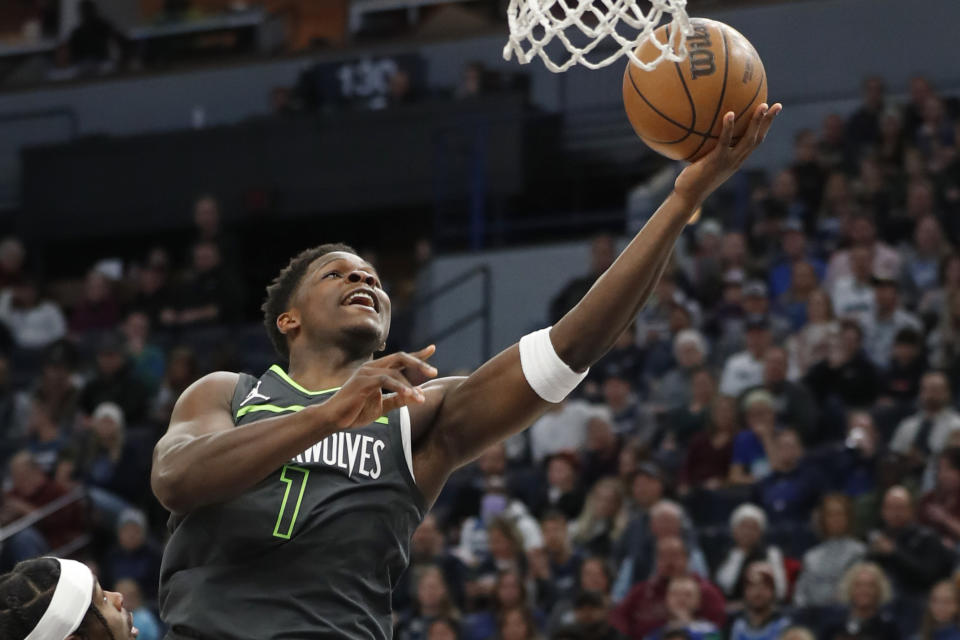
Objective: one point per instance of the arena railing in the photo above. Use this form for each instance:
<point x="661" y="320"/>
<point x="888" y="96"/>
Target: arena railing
<point x="69" y="499"/>
<point x="482" y="314"/>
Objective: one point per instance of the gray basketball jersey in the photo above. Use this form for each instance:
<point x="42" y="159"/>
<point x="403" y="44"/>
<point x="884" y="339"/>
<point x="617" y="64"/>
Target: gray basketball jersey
<point x="314" y="550"/>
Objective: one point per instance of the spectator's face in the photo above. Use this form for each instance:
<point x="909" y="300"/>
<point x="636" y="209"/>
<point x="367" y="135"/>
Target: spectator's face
<point x="683" y="598"/>
<point x="861" y="262"/>
<point x="593" y="577"/>
<point x="136" y="327"/>
<point x="560" y="474"/>
<point x="107" y="430"/>
<point x="760" y="416"/>
<point x="701" y="387"/>
<point x="756" y="305"/>
<point x="850" y="341"/>
<point x="775" y="366"/>
<point x="784" y="186"/>
<point x="600" y="435"/>
<point x="733" y="293"/>
<point x="920" y="203"/>
<point x="897" y="509"/>
<point x="493" y="462"/>
<point x="757" y="593"/>
<point x="933" y="110"/>
<point x="514" y="626"/>
<point x="862" y="232"/>
<point x="920" y="90"/>
<point x="97" y="287"/>
<point x="665" y="523"/>
<point x="833" y="128"/>
<point x="789" y="451"/>
<point x="733" y="248"/>
<point x="427" y="539"/>
<point x="110" y="362"/>
<point x="509" y="593"/>
<point x="25" y="476"/>
<point x="671" y="557"/>
<point x="501" y="547"/>
<point x="724" y="415"/>
<point x="602" y="254"/>
<point x="205" y="257"/>
<point x="934" y="392"/>
<point x="747" y="533"/>
<point x="805" y="148"/>
<point x="757" y="339"/>
<point x="627" y="465"/>
<point x="441" y="630"/>
<point x="904" y="353"/>
<point x="873" y="91"/>
<point x="131" y="536"/>
<point x="948" y="476"/>
<point x="794" y="245"/>
<point x="647" y="490"/>
<point x="837" y="189"/>
<point x="679" y="318"/>
<point x="952" y="273"/>
<point x="927" y="236"/>
<point x="818" y="307"/>
<point x="803" y="277"/>
<point x="399" y="85"/>
<point x="835" y="522"/>
<point x="555" y="535"/>
<point x="885" y="294"/>
<point x="206" y="215"/>
<point x="689" y="354"/>
<point x="943" y="603"/>
<point x="864" y="590"/>
<point x="616" y="391"/>
<point x="606" y="501"/>
<point x="152" y="279"/>
<point x="890" y="127"/>
<point x="430" y="590"/>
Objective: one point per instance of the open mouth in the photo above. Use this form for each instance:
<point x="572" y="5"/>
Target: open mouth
<point x="362" y="298"/>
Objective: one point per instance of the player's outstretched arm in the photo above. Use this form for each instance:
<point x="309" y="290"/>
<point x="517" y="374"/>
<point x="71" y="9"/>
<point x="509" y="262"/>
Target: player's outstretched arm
<point x="205" y="458"/>
<point x="497" y="400"/>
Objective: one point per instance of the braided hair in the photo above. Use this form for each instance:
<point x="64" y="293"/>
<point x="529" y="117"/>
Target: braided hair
<point x="25" y="595"/>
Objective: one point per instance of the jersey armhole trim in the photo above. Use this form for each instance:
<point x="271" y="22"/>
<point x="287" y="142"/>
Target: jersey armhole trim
<point x="407" y="440"/>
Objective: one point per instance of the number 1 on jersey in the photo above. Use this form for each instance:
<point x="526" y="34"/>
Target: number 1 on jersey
<point x="295" y="478"/>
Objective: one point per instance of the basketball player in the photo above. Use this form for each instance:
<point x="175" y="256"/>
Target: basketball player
<point x="53" y="599"/>
<point x="295" y="495"/>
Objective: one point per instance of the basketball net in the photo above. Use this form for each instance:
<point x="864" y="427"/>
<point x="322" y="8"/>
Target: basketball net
<point x="534" y="24"/>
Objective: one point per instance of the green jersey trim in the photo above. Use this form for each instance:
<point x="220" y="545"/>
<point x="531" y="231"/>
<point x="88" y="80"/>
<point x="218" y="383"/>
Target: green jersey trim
<point x="272" y="408"/>
<point x="277" y="369"/>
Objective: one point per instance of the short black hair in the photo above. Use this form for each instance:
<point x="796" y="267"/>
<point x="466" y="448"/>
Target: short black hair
<point x="25" y="594"/>
<point x="281" y="290"/>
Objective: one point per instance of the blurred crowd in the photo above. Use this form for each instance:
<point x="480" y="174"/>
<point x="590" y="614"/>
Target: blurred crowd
<point x="771" y="451"/>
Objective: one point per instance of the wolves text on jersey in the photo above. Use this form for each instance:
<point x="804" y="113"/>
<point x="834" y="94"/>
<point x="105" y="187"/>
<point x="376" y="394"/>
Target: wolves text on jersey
<point x="355" y="453"/>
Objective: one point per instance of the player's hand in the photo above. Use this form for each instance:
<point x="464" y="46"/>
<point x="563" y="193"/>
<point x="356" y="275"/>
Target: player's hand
<point x="703" y="177"/>
<point x="380" y="386"/>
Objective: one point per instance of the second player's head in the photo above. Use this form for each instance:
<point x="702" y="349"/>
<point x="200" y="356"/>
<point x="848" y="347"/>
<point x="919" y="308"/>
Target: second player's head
<point x="327" y="296"/>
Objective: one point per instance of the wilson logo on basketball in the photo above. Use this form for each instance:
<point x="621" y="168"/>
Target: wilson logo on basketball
<point x="702" y="62"/>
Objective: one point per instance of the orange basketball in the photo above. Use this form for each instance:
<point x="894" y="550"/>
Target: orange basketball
<point x="678" y="108"/>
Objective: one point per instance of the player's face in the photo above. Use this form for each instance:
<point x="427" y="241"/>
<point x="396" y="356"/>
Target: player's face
<point x="342" y="292"/>
<point x="119" y="620"/>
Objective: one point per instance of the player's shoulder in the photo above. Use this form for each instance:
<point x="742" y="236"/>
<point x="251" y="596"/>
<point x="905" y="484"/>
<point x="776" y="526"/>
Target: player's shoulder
<point x="214" y="387"/>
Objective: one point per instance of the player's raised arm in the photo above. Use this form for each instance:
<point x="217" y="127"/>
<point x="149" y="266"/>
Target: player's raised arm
<point x="507" y="393"/>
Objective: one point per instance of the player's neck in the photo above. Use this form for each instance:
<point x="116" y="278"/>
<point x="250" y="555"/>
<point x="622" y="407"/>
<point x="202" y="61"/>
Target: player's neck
<point x="324" y="368"/>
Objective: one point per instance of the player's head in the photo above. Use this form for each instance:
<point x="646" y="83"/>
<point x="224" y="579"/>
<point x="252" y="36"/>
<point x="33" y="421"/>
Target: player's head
<point x="327" y="295"/>
<point x="52" y="598"/>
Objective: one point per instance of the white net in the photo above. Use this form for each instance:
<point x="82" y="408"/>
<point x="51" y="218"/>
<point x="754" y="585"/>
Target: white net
<point x="593" y="33"/>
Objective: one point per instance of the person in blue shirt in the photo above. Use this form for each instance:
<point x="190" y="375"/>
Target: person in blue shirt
<point x="792" y="490"/>
<point x="760" y="619"/>
<point x="940" y="621"/>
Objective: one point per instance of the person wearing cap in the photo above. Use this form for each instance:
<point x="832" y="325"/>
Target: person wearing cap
<point x="134" y="555"/>
<point x="745" y="369"/>
<point x="55" y="599"/>
<point x="794" y="250"/>
<point x="887" y="319"/>
<point x="115" y="381"/>
<point x="760" y="619"/>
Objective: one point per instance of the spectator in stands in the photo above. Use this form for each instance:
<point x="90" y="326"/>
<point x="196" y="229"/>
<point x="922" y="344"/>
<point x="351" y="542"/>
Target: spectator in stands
<point x="563" y="491"/>
<point x="940" y="618"/>
<point x="115" y="381"/>
<point x="563" y="428"/>
<point x="809" y="174"/>
<point x="182" y="371"/>
<point x="56" y="387"/>
<point x="627" y="415"/>
<point x="14" y="407"/>
<point x="939" y="508"/>
<point x="153" y="294"/>
<point x="863" y="126"/>
<point x="892" y="146"/>
<point x="98" y="310"/>
<point x="755" y="303"/>
<point x="825" y="564"/>
<point x="745" y="369"/>
<point x="603" y="520"/>
<point x="900" y="382"/>
<point x="645" y="607"/>
<point x="708" y="458"/>
<point x="497" y="507"/>
<point x="210" y="294"/>
<point x="432" y="600"/>
<point x="920" y="91"/>
<point x="674" y="389"/>
<point x="923" y="436"/>
<point x="562" y="560"/>
<point x="30" y="490"/>
<point x="833" y="149"/>
<point x="472" y="81"/>
<point x="752" y="446"/>
<point x="517" y="623"/>
<point x="147" y="359"/>
<point x="760" y="620"/>
<point x="444" y="629"/>
<point x="922" y="258"/>
<point x="862" y="233"/>
<point x="590" y="619"/>
<point x="601" y="451"/>
<point x="853" y="294"/>
<point x="45" y="441"/>
<point x="208" y="227"/>
<point x="845" y="379"/>
<point x="865" y="591"/>
<point x="134" y="556"/>
<point x="33" y="322"/>
<point x="602" y="253"/>
<point x="647" y="487"/>
<point x="934" y="303"/>
<point x="811" y="343"/>
<point x="144" y="619"/>
<point x="625" y="358"/>
<point x="683" y="423"/>
<point x="886" y="320"/>
<point x="95" y="42"/>
<point x="748" y="526"/>
<point x="912" y="555"/>
<point x="792" y="402"/>
<point x="836" y="208"/>
<point x="682" y="604"/>
<point x="944" y="342"/>
<point x="13" y="255"/>
<point x="506" y="549"/>
<point x="792" y="489"/>
<point x="794" y="251"/>
<point x="428" y="547"/>
<point x="794" y="300"/>
<point x="509" y="592"/>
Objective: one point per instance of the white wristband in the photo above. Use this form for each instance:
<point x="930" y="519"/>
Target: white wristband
<point x="549" y="376"/>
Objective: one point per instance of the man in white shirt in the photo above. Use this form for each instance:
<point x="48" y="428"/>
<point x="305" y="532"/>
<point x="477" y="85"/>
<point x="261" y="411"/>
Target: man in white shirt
<point x="563" y="428"/>
<point x="745" y="369"/>
<point x="34" y="323"/>
<point x="888" y="319"/>
<point x="853" y="294"/>
<point x="922" y="436"/>
<point x="863" y="233"/>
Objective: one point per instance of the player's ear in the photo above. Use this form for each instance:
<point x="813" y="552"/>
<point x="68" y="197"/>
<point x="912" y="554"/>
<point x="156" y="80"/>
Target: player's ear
<point x="287" y="321"/>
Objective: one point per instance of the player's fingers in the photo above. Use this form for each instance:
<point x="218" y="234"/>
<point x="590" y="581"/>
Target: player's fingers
<point x="393" y="380"/>
<point x="393" y="401"/>
<point x="413" y="367"/>
<point x="726" y="134"/>
<point x="749" y="139"/>
<point x="768" y="119"/>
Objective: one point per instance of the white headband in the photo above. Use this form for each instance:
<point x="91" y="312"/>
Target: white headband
<point x="71" y="601"/>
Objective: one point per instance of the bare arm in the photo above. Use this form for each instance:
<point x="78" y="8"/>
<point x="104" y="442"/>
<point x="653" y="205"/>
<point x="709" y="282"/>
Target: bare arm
<point x="204" y="458"/>
<point x="464" y="416"/>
